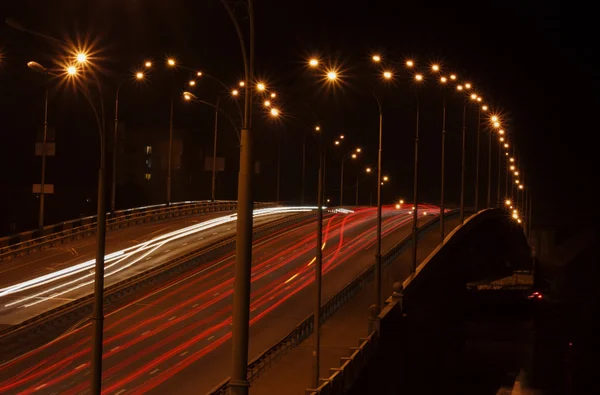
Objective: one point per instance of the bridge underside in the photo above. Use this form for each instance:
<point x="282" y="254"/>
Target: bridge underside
<point x="419" y="350"/>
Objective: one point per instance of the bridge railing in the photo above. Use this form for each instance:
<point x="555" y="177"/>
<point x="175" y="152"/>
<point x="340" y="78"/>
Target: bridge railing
<point x="32" y="241"/>
<point x="305" y="328"/>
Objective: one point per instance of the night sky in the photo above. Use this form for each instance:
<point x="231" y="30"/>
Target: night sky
<point x="512" y="52"/>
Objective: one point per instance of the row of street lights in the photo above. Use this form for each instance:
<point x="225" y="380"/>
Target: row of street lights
<point x="80" y="65"/>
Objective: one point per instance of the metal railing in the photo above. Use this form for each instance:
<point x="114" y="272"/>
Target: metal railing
<point x="29" y="242"/>
<point x="305" y="328"/>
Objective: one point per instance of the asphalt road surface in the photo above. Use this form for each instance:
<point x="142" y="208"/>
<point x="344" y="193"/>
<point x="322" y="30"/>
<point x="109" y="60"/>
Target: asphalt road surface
<point x="34" y="284"/>
<point x="177" y="339"/>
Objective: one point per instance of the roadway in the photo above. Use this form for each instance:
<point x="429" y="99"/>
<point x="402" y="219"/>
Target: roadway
<point x="176" y="339"/>
<point x="33" y="284"/>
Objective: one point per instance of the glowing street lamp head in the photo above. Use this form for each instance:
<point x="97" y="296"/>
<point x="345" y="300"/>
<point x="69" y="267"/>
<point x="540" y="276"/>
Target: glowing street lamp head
<point x="72" y="70"/>
<point x="387" y="75"/>
<point x="267" y="103"/>
<point x="501" y="139"/>
<point x="435" y="67"/>
<point x="273" y="95"/>
<point x="368" y="169"/>
<point x="260" y="86"/>
<point x="336" y="142"/>
<point x="81" y="57"/>
<point x="453" y="77"/>
<point x="459" y="87"/>
<point x="501" y="131"/>
<point x="354" y="156"/>
<point x="313" y="62"/>
<point x="521" y="186"/>
<point x="419" y="77"/>
<point x="479" y="99"/>
<point x="385" y="178"/>
<point x="376" y="58"/>
<point x="398" y="206"/>
<point x="317" y="128"/>
<point x="484" y="108"/>
<point x="242" y="84"/>
<point x="192" y="83"/>
<point x="358" y="150"/>
<point x="187" y="96"/>
<point x="473" y="96"/>
<point x="410" y="63"/>
<point x="506" y="145"/>
<point x="331" y="75"/>
<point x="512" y="159"/>
<point x="515" y="216"/>
<point x="139" y="75"/>
<point x="342" y="136"/>
<point x="148" y="64"/>
<point x="443" y="80"/>
<point x="171" y="62"/>
<point x="512" y="167"/>
<point x="235" y="92"/>
<point x="275" y="112"/>
<point x="467" y="86"/>
<point x="507" y="202"/>
<point x="401" y="201"/>
<point x="496" y="124"/>
<point x="516" y="173"/>
<point x="199" y="74"/>
<point x="494" y="118"/>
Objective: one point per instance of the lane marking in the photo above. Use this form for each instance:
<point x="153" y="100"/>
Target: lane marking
<point x="167" y="251"/>
<point x="216" y="294"/>
<point x="116" y="348"/>
<point x="40" y="387"/>
<point x="120" y="392"/>
<point x="184" y="244"/>
<point x="183" y="353"/>
<point x="216" y="233"/>
<point x="145" y="333"/>
<point x="149" y="258"/>
<point x="196" y="305"/>
<point x="80" y="366"/>
<point x="172" y="318"/>
<point x="210" y="338"/>
<point x="154" y="371"/>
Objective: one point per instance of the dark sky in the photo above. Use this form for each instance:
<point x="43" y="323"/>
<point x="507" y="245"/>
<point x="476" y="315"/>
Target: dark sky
<point x="511" y="51"/>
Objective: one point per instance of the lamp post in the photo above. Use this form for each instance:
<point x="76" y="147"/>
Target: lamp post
<point x="499" y="173"/>
<point x="462" y="163"/>
<point x="318" y="269"/>
<point x="352" y="154"/>
<point x="113" y="196"/>
<point x="97" y="317"/>
<point x="477" y="157"/>
<point x="170" y="63"/>
<point x="368" y="171"/>
<point x="443" y="81"/>
<point x="238" y="384"/>
<point x="35" y="66"/>
<point x="418" y="78"/>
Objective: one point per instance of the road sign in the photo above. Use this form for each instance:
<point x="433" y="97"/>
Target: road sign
<point x="50" y="148"/>
<point x="48" y="188"/>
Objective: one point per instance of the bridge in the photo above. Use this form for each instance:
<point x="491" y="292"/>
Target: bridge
<point x="169" y="296"/>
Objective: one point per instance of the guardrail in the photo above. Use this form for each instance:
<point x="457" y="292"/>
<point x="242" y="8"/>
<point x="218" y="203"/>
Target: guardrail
<point x="13" y="339"/>
<point x="305" y="328"/>
<point x="29" y="242"/>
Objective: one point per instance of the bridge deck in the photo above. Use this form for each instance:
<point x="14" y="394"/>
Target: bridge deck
<point x="291" y="374"/>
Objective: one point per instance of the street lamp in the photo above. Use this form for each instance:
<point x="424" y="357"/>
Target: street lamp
<point x="38" y="68"/>
<point x="443" y="81"/>
<point x="238" y="384"/>
<point x="113" y="196"/>
<point x="367" y="171"/>
<point x="418" y="79"/>
<point x="352" y="154"/>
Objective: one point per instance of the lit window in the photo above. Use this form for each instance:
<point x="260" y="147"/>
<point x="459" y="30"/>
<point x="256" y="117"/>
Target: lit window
<point x="148" y="149"/>
<point x="148" y="176"/>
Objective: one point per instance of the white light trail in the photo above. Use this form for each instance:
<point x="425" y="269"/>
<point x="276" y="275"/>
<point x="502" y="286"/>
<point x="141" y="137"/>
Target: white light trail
<point x="112" y="260"/>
